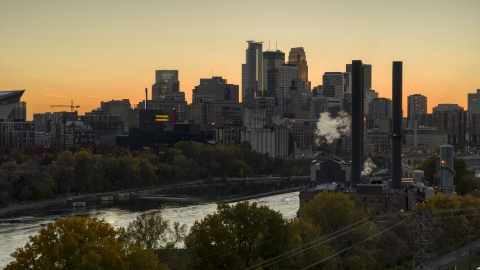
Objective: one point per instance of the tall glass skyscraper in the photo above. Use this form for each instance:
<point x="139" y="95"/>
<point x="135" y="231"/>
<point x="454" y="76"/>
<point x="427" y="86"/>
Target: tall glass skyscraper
<point x="166" y="81"/>
<point x="252" y="73"/>
<point x="333" y="85"/>
<point x="272" y="61"/>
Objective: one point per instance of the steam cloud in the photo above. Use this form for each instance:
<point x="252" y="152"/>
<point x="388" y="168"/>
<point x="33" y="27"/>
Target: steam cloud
<point x="368" y="167"/>
<point x="329" y="128"/>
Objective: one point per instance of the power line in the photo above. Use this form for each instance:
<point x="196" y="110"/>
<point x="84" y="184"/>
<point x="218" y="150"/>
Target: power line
<point x="331" y="256"/>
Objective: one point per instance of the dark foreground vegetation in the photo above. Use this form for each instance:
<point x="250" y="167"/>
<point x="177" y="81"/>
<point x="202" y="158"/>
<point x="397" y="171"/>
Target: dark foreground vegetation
<point x="38" y="174"/>
<point x="333" y="232"/>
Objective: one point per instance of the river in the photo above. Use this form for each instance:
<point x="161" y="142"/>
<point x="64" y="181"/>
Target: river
<point x="183" y="206"/>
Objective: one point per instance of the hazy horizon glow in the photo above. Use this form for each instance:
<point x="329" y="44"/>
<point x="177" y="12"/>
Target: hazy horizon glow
<point x="93" y="51"/>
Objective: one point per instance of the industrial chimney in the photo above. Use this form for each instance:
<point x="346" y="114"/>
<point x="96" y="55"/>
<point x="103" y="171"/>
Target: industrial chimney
<point x="397" y="125"/>
<point x="357" y="122"/>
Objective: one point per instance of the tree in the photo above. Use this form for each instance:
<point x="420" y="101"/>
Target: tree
<point x="151" y="231"/>
<point x="80" y="243"/>
<point x="332" y="212"/>
<point x="239" y="236"/>
<point x="428" y="167"/>
<point x="86" y="166"/>
<point x="464" y="180"/>
<point x="9" y="178"/>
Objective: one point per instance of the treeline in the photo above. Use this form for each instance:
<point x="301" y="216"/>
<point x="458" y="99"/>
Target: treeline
<point x="40" y="174"/>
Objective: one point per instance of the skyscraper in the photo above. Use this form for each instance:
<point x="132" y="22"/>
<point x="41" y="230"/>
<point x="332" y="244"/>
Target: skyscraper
<point x="118" y="107"/>
<point x="369" y="96"/>
<point x="333" y="85"/>
<point x="252" y="73"/>
<point x="366" y="77"/>
<point x="381" y="107"/>
<point x="298" y="57"/>
<point x="287" y="79"/>
<point x="272" y="60"/>
<point x="474" y="102"/>
<point x="417" y="110"/>
<point x="215" y="103"/>
<point x="451" y="118"/>
<point x="166" y="81"/>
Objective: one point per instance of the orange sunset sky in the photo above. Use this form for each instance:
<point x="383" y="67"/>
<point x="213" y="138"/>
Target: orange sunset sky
<point x="92" y="51"/>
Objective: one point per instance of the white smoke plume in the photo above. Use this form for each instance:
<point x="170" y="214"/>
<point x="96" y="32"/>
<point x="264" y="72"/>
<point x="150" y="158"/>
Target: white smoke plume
<point x="368" y="167"/>
<point x="329" y="128"/>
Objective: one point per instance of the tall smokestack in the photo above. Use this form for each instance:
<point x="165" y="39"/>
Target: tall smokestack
<point x="357" y="122"/>
<point x="397" y="125"/>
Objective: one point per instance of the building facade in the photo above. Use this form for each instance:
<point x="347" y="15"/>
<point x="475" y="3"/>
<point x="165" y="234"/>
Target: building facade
<point x="451" y="118"/>
<point x="19" y="113"/>
<point x="333" y="85"/>
<point x="298" y="57"/>
<point x="474" y="102"/>
<point x="215" y="103"/>
<point x="166" y="81"/>
<point x="272" y="60"/>
<point x="417" y="110"/>
<point x="118" y="108"/>
<point x="252" y="73"/>
<point x="17" y="135"/>
<point x="288" y="78"/>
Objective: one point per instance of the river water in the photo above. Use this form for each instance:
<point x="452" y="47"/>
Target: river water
<point x="183" y="206"/>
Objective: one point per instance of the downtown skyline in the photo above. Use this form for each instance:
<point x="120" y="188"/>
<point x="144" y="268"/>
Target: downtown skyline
<point x="91" y="52"/>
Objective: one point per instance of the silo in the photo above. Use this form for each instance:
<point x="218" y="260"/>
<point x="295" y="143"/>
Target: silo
<point x="446" y="169"/>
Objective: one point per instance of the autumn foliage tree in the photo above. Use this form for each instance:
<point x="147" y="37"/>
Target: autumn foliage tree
<point x="80" y="243"/>
<point x="238" y="236"/>
<point x="151" y="231"/>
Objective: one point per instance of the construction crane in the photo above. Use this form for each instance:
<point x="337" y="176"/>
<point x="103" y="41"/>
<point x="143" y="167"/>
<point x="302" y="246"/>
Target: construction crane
<point x="71" y="106"/>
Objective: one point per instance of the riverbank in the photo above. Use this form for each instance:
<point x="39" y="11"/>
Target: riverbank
<point x="66" y="198"/>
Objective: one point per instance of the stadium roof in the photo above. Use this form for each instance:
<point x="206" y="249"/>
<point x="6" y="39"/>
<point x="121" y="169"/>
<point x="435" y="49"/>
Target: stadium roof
<point x="8" y="100"/>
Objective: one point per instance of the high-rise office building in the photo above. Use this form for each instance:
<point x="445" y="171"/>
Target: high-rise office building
<point x="118" y="108"/>
<point x="381" y="107"/>
<point x="287" y="79"/>
<point x="451" y="118"/>
<point x="417" y="110"/>
<point x="333" y="85"/>
<point x="298" y="57"/>
<point x="369" y="96"/>
<point x="474" y="102"/>
<point x="272" y="60"/>
<point x="252" y="73"/>
<point x="43" y="122"/>
<point x="367" y="75"/>
<point x="215" y="103"/>
<point x="166" y="81"/>
<point x="380" y="114"/>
